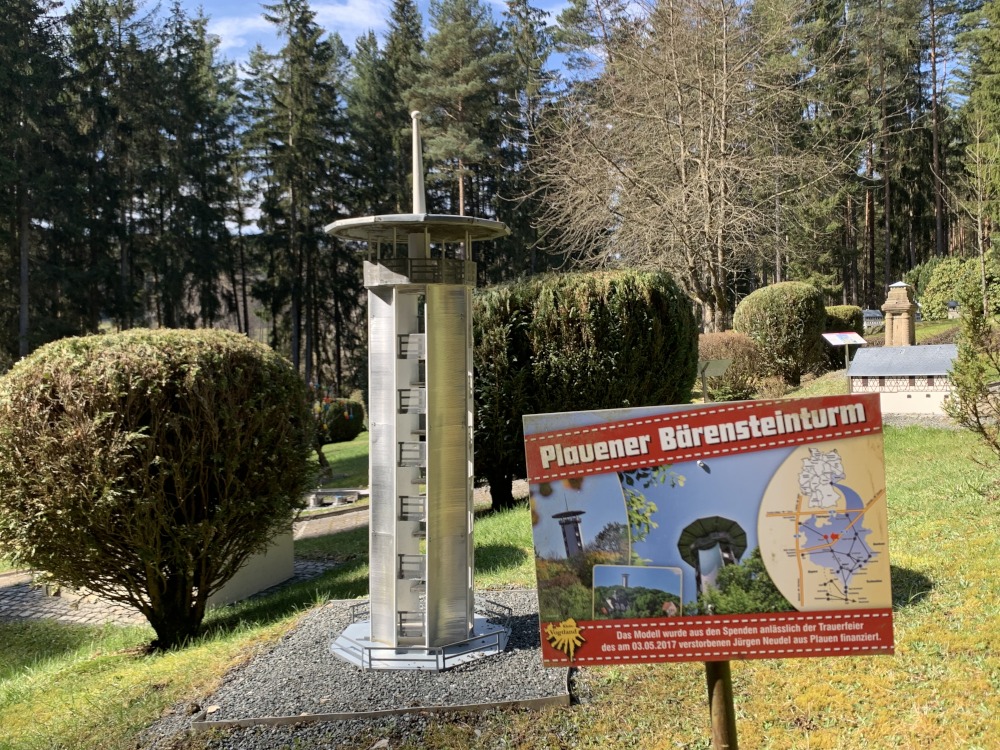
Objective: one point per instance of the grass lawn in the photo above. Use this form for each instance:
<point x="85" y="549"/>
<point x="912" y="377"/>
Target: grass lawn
<point x="77" y="687"/>
<point x="348" y="463"/>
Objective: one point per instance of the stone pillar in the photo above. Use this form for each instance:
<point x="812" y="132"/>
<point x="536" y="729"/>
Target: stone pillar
<point x="900" y="316"/>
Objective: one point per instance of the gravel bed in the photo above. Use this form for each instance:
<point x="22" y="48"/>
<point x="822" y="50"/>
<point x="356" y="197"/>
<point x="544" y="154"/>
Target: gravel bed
<point x="938" y="421"/>
<point x="299" y="676"/>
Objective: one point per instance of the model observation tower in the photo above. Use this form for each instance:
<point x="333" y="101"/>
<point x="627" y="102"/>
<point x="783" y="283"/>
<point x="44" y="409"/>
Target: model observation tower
<point x="420" y="274"/>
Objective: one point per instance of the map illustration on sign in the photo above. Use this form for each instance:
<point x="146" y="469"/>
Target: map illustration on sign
<point x="738" y="530"/>
<point x="832" y="525"/>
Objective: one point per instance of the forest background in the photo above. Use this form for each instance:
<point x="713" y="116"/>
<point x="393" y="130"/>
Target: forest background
<point x="146" y="180"/>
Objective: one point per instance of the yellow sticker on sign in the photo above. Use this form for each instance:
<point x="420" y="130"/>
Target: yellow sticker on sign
<point x="564" y="636"/>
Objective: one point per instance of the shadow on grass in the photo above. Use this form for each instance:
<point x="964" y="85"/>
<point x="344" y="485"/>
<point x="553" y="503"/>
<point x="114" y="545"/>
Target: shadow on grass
<point x="494" y="557"/>
<point x="342" y="546"/>
<point x="908" y="587"/>
<point x="347" y="581"/>
<point x="28" y="642"/>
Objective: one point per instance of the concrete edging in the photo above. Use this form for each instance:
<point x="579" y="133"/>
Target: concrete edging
<point x="199" y="724"/>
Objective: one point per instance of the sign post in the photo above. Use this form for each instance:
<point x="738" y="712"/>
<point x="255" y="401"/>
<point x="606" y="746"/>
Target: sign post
<point x="720" y="705"/>
<point x="741" y="530"/>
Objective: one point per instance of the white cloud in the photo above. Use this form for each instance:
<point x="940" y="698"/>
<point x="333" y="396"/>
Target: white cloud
<point x="239" y="33"/>
<point x="352" y="18"/>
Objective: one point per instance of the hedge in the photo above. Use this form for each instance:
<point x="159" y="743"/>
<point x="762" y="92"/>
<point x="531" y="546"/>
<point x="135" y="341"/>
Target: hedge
<point x="741" y="380"/>
<point x="569" y="342"/>
<point x="840" y="319"/>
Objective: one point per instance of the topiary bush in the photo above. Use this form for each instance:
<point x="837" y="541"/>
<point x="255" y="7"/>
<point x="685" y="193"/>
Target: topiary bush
<point x="742" y="378"/>
<point x="570" y="342"/>
<point x="920" y="275"/>
<point x="951" y="279"/>
<point x="338" y="420"/>
<point x="843" y="318"/>
<point x="787" y="322"/>
<point x="840" y="319"/>
<point x="148" y="466"/>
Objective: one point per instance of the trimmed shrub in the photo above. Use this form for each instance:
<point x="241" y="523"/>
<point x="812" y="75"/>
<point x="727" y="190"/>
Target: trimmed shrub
<point x="950" y="280"/>
<point x="786" y="320"/>
<point x="570" y="342"/>
<point x="741" y="379"/>
<point x="148" y="466"/>
<point x="338" y="420"/>
<point x="961" y="280"/>
<point x="840" y="319"/>
<point x="920" y="275"/>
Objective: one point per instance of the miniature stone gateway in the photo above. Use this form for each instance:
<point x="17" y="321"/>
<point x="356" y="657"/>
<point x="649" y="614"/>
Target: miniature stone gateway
<point x="420" y="274"/>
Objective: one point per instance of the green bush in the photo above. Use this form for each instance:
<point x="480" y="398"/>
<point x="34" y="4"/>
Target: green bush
<point x="962" y="281"/>
<point x="741" y="379"/>
<point x="920" y="275"/>
<point x="571" y="342"/>
<point x="338" y="420"/>
<point x="840" y="319"/>
<point x="786" y="320"/>
<point x="148" y="466"/>
<point x="950" y="280"/>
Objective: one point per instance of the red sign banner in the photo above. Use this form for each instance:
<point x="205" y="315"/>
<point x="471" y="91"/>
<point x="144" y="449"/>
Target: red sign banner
<point x="693" y="434"/>
<point x="721" y="637"/>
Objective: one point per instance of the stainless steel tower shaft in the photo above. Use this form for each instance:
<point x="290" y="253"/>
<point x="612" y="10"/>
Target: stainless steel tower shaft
<point x="420" y="277"/>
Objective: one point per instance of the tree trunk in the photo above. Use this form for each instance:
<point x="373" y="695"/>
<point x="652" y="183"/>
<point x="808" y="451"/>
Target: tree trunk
<point x="501" y="490"/>
<point x="940" y="240"/>
<point x="175" y="613"/>
<point x="24" y="245"/>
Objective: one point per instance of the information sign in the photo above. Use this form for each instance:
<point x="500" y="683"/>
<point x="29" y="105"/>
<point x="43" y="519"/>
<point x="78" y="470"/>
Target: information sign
<point x="844" y="339"/>
<point x="740" y="530"/>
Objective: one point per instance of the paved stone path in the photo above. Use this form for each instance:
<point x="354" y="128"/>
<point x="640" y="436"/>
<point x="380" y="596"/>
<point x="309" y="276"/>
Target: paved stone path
<point x="21" y="599"/>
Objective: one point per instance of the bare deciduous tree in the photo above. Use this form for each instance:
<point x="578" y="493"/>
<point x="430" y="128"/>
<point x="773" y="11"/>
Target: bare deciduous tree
<point x="681" y="154"/>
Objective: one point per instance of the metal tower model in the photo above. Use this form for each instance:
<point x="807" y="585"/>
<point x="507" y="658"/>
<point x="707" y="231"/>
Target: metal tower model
<point x="420" y="275"/>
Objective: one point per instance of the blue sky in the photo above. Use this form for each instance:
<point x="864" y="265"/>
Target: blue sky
<point x="241" y="25"/>
<point x="601" y="496"/>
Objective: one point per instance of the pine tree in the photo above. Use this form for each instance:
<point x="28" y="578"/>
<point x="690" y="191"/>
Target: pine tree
<point x="116" y="101"/>
<point x="32" y="129"/>
<point x="404" y="58"/>
<point x="526" y="92"/>
<point x="373" y="115"/>
<point x="301" y="137"/>
<point x="458" y="94"/>
<point x="190" y="186"/>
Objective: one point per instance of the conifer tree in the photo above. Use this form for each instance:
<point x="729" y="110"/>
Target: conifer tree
<point x="301" y="136"/>
<point x="458" y="94"/>
<point x="32" y="143"/>
<point x="404" y="58"/>
<point x="373" y="114"/>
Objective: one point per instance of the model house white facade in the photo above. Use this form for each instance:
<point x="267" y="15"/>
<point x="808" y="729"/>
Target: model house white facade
<point x="910" y="379"/>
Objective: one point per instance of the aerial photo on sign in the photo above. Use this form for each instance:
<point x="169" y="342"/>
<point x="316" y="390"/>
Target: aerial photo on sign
<point x="739" y="530"/>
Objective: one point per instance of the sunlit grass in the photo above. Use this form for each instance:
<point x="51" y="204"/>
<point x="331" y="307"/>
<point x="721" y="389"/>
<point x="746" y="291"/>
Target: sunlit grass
<point x="828" y="384"/>
<point x="348" y="463"/>
<point x="71" y="686"/>
<point x="83" y="688"/>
